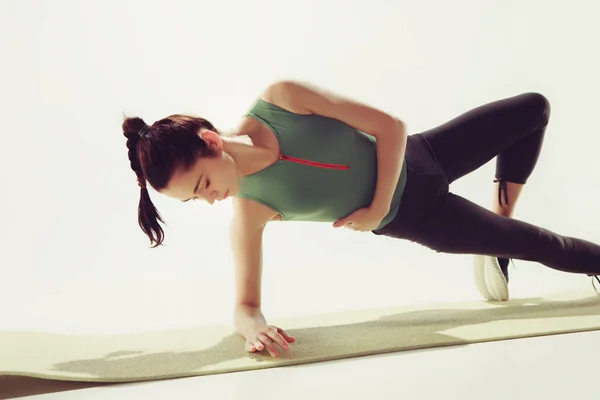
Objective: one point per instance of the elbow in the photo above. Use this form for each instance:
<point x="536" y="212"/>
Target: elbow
<point x="399" y="126"/>
<point x="395" y="129"/>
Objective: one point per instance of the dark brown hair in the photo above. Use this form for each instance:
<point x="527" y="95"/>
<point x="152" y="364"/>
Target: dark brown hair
<point x="155" y="153"/>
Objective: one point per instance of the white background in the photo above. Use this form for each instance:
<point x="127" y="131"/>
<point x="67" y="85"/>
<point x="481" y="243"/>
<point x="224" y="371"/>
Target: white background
<point x="74" y="260"/>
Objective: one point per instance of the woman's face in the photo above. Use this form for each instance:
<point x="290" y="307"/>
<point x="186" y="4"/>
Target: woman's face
<point x="209" y="179"/>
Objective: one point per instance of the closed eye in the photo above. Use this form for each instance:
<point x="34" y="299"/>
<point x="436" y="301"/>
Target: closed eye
<point x="196" y="188"/>
<point x="205" y="186"/>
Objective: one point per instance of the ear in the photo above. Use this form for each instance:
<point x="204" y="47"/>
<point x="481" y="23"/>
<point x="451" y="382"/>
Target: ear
<point x="212" y="139"/>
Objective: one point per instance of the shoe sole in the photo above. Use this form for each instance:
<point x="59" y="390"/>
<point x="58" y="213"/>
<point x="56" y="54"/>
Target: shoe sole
<point x="489" y="279"/>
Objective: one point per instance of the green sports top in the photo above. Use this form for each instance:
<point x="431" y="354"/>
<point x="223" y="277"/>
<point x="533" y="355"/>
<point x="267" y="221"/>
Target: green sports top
<point x="325" y="171"/>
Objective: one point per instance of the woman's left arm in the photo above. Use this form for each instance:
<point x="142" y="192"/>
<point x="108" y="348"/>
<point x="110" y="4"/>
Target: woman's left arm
<point x="389" y="132"/>
<point x="390" y="153"/>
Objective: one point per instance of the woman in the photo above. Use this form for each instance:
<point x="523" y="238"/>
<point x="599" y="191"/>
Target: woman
<point x="312" y="155"/>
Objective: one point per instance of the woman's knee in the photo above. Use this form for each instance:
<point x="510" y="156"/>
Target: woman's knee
<point x="540" y="106"/>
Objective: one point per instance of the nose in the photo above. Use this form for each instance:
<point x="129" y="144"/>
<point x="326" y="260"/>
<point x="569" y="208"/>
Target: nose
<point x="210" y="197"/>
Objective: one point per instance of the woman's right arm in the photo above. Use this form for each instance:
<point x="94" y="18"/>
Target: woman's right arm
<point x="246" y="235"/>
<point x="246" y="244"/>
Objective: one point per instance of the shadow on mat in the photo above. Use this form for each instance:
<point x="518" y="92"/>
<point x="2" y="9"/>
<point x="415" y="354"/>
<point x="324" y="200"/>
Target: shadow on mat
<point x="12" y="387"/>
<point x="403" y="331"/>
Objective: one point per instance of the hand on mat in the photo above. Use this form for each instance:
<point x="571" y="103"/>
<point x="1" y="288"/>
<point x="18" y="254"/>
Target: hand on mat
<point x="267" y="336"/>
<point x="363" y="219"/>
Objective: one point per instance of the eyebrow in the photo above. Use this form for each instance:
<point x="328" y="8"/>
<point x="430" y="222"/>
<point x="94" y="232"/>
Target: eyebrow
<point x="195" y="187"/>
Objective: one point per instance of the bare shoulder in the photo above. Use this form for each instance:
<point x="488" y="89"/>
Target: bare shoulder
<point x="287" y="95"/>
<point x="249" y="214"/>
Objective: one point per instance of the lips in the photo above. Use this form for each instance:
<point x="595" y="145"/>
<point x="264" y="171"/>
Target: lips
<point x="226" y="194"/>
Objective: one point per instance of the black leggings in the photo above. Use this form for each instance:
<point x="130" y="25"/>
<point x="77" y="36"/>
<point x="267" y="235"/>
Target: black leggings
<point x="512" y="130"/>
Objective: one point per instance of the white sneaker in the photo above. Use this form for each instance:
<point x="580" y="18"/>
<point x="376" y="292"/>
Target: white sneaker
<point x="490" y="279"/>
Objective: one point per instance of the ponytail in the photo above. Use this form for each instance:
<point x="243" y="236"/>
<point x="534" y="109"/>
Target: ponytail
<point x="135" y="129"/>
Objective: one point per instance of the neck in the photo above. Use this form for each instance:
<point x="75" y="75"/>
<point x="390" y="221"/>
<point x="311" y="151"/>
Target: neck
<point x="247" y="157"/>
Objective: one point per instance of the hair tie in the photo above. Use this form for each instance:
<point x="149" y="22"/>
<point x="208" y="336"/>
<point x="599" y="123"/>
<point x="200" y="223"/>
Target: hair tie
<point x="144" y="131"/>
<point x="141" y="183"/>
